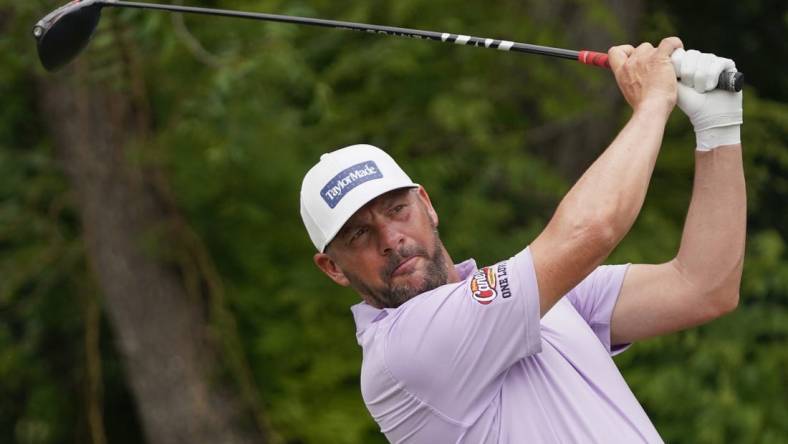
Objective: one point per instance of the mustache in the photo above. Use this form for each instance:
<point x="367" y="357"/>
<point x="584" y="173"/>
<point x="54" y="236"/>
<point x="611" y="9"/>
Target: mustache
<point x="396" y="257"/>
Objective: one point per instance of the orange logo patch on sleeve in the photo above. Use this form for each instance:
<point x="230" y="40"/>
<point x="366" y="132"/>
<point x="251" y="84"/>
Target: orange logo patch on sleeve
<point x="483" y="285"/>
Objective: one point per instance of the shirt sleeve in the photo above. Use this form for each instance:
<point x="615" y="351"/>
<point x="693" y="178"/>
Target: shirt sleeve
<point x="451" y="347"/>
<point x="595" y="298"/>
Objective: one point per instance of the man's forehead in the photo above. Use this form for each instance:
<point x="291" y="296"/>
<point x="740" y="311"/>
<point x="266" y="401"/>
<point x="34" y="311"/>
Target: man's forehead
<point x="380" y="201"/>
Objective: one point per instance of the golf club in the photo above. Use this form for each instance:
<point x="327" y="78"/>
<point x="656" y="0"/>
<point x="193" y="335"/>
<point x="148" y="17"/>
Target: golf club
<point x="64" y="32"/>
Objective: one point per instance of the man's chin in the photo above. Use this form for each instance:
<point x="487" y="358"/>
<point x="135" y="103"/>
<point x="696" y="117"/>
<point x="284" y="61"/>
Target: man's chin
<point x="414" y="280"/>
<point x="412" y="284"/>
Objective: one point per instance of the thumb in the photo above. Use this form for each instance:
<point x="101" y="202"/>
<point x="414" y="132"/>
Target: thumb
<point x="689" y="100"/>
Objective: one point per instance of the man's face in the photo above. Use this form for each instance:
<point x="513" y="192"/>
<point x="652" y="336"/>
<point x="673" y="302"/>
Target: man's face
<point x="390" y="251"/>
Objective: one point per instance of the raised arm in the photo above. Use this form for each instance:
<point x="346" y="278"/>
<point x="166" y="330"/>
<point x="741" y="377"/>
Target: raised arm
<point x="601" y="207"/>
<point x="702" y="281"/>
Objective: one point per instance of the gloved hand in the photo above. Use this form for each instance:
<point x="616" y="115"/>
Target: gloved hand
<point x="715" y="114"/>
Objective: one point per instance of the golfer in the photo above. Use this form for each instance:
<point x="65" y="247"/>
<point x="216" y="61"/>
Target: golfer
<point x="520" y="351"/>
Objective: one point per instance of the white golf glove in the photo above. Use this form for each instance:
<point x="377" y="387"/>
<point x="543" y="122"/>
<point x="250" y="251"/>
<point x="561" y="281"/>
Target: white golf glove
<point x="715" y="114"/>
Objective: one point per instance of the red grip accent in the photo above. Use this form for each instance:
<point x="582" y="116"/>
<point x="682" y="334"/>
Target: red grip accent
<point x="593" y="58"/>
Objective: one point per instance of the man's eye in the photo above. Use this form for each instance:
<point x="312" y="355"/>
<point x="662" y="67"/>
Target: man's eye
<point x="398" y="208"/>
<point x="358" y="233"/>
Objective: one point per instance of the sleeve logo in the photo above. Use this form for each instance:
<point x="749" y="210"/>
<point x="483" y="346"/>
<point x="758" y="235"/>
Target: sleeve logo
<point x="483" y="286"/>
<point x="488" y="282"/>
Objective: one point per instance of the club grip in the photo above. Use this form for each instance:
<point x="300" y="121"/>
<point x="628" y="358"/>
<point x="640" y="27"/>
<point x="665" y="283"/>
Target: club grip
<point x="729" y="80"/>
<point x="593" y="58"/>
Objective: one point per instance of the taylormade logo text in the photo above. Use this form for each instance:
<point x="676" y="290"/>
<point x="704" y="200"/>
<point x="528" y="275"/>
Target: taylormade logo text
<point x="347" y="179"/>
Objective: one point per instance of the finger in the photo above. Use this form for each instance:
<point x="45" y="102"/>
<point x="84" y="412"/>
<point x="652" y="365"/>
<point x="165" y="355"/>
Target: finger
<point x="618" y="55"/>
<point x="629" y="49"/>
<point x="645" y="46"/>
<point x="728" y="64"/>
<point x="676" y="58"/>
<point x="668" y="45"/>
<point x="688" y="66"/>
<point x="643" y="51"/>
<point x="715" y="68"/>
<point x="703" y="71"/>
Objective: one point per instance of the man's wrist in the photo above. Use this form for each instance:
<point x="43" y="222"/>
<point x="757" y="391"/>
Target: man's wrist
<point x="656" y="108"/>
<point x="711" y="138"/>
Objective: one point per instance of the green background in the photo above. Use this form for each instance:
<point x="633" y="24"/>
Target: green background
<point x="495" y="138"/>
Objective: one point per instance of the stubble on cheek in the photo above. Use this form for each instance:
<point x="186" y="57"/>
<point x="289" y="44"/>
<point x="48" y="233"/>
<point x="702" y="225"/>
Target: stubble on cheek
<point x="434" y="273"/>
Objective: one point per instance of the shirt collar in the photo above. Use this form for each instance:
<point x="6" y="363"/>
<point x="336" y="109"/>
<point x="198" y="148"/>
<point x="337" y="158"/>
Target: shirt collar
<point x="365" y="314"/>
<point x="466" y="268"/>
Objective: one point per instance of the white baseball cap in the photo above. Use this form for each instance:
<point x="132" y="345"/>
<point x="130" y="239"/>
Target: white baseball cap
<point x="342" y="182"/>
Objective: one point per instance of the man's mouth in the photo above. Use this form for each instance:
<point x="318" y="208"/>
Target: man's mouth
<point x="405" y="267"/>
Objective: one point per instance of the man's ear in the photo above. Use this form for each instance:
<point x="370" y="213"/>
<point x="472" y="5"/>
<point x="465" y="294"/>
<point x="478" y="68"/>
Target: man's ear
<point x="328" y="266"/>
<point x="425" y="198"/>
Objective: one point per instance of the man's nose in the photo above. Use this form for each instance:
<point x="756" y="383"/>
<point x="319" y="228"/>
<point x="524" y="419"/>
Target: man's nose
<point x="390" y="239"/>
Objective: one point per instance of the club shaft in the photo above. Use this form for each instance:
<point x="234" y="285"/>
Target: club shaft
<point x="730" y="81"/>
<point x="503" y="45"/>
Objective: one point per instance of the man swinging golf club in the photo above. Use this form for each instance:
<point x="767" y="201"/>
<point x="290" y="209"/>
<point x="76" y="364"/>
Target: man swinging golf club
<point x="520" y="351"/>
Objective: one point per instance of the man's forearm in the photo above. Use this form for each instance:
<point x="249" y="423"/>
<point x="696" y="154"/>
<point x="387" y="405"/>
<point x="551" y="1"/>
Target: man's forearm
<point x="601" y="207"/>
<point x="712" y="245"/>
<point x="613" y="189"/>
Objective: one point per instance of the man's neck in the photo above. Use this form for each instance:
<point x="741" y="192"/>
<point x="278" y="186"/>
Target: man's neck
<point x="453" y="276"/>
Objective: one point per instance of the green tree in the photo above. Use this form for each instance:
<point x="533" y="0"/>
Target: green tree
<point x="239" y="110"/>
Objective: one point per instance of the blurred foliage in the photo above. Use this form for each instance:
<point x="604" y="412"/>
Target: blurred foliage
<point x="241" y="116"/>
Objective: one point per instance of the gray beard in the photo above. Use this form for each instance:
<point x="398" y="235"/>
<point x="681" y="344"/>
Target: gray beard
<point x="392" y="296"/>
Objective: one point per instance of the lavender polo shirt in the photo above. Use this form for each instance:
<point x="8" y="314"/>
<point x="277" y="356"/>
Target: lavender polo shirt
<point x="472" y="362"/>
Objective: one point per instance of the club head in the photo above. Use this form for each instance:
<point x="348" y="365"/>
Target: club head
<point x="64" y="32"/>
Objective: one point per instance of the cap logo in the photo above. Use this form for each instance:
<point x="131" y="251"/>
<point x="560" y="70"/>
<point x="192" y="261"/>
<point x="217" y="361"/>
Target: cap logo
<point x="347" y="179"/>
